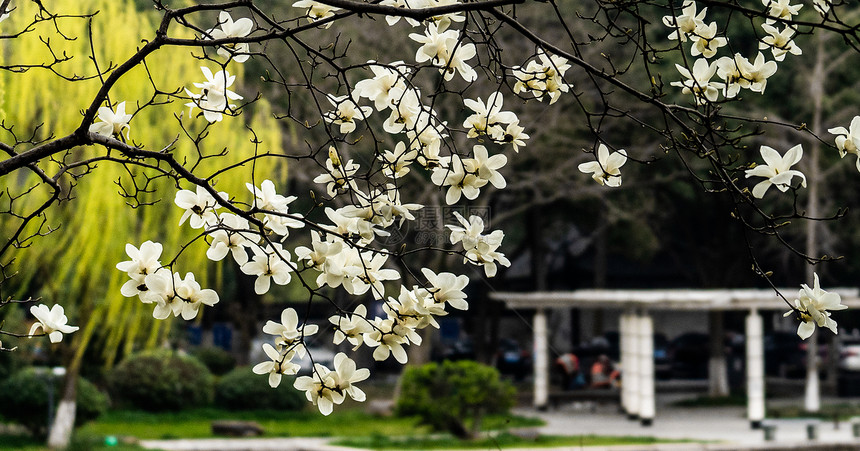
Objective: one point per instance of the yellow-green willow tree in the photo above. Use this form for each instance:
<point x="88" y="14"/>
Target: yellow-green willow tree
<point x="75" y="267"/>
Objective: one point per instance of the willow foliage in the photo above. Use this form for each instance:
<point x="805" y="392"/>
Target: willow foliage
<point x="76" y="266"/>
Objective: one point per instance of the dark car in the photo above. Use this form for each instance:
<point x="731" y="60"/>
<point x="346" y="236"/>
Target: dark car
<point x="784" y="355"/>
<point x="689" y="354"/>
<point x="513" y="359"/>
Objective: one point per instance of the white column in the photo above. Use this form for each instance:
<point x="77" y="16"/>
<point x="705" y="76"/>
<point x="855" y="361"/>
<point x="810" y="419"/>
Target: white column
<point x="646" y="369"/>
<point x="630" y="377"/>
<point x="755" y="368"/>
<point x="812" y="396"/>
<point x="541" y="360"/>
<point x="623" y="343"/>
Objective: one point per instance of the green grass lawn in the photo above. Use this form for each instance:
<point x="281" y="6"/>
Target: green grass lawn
<point x="196" y="423"/>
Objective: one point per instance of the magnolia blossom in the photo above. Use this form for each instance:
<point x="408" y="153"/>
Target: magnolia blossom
<point x="290" y="335"/>
<point x="143" y="261"/>
<point x="777" y="170"/>
<point x="445" y="50"/>
<point x="338" y="176"/>
<point x="112" y="123"/>
<point x="686" y="23"/>
<point x="811" y="308"/>
<point x="51" y="321"/>
<point x="200" y="207"/>
<point x="346" y="113"/>
<point x="385" y="78"/>
<point x="699" y="81"/>
<point x="227" y="236"/>
<point x="269" y="264"/>
<point x="459" y="176"/>
<point x="480" y="249"/>
<point x="779" y="42"/>
<point x="214" y="96"/>
<point x="543" y="77"/>
<point x="848" y="140"/>
<point x="780" y="9"/>
<point x="351" y="328"/>
<point x="231" y="29"/>
<point x="317" y="11"/>
<point x="489" y="119"/>
<point x="279" y="364"/>
<point x="194" y="297"/>
<point x="705" y="40"/>
<point x="607" y="169"/>
<point x="446" y="287"/>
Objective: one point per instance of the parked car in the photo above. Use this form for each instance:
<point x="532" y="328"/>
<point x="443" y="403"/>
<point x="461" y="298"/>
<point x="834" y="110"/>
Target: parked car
<point x="689" y="354"/>
<point x="513" y="359"/>
<point x="849" y="357"/>
<point x="784" y="355"/>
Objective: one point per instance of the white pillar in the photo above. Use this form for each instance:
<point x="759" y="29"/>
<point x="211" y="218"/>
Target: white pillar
<point x="755" y="368"/>
<point x="624" y="345"/>
<point x="630" y="376"/>
<point x="541" y="360"/>
<point x="812" y="396"/>
<point x="646" y="370"/>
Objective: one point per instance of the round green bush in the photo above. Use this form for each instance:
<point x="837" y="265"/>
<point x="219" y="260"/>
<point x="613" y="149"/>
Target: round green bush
<point x="219" y="361"/>
<point x="161" y="380"/>
<point x="24" y="400"/>
<point x="454" y="396"/>
<point x="241" y="389"/>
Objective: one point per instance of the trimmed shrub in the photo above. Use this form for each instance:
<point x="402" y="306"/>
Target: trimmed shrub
<point x="241" y="389"/>
<point x="161" y="380"/>
<point x="219" y="361"/>
<point x="454" y="396"/>
<point x="24" y="400"/>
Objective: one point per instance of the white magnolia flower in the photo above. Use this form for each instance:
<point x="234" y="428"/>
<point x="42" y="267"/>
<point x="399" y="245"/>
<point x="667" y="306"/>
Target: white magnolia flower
<point x="321" y="389"/>
<point x="460" y="178"/>
<point x="812" y="307"/>
<point x="194" y="297"/>
<point x="231" y="29"/>
<point x="351" y="328"/>
<point x="607" y="169"/>
<point x="51" y="321"/>
<point x="754" y="75"/>
<point x="446" y="287"/>
<point x="385" y="79"/>
<point x="780" y="9"/>
<point x="338" y="176"/>
<point x="214" y="97"/>
<point x="705" y="40"/>
<point x="822" y="6"/>
<point x="487" y="167"/>
<point x="489" y="119"/>
<point x="143" y="261"/>
<point x="848" y="140"/>
<point x="388" y="338"/>
<point x="161" y="291"/>
<point x="685" y="23"/>
<point x="542" y="77"/>
<point x="515" y="136"/>
<point x="199" y="206"/>
<point x="346" y="113"/>
<point x="317" y="11"/>
<point x="290" y="335"/>
<point x="279" y="364"/>
<point x="227" y="236"/>
<point x="271" y="264"/>
<point x="480" y="249"/>
<point x="779" y="42"/>
<point x="777" y="170"/>
<point x="699" y="81"/>
<point x="112" y="123"/>
<point x="446" y="51"/>
<point x="346" y="376"/>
